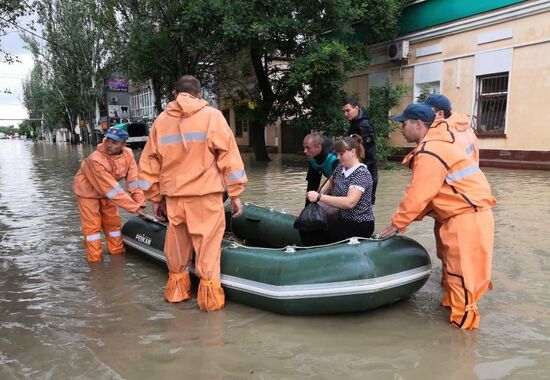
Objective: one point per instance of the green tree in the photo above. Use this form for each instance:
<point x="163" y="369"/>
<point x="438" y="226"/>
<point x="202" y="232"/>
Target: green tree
<point x="382" y="100"/>
<point x="41" y="100"/>
<point x="9" y="130"/>
<point x="318" y="78"/>
<point x="299" y="52"/>
<point x="11" y="11"/>
<point x="71" y="60"/>
<point x="26" y="128"/>
<point x="161" y="41"/>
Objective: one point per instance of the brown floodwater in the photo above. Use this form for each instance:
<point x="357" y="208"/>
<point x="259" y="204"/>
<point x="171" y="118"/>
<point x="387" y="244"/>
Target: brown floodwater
<point x="62" y="318"/>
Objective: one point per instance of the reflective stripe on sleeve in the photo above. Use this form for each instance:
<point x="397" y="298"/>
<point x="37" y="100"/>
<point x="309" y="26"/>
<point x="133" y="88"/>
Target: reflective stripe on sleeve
<point x="463" y="173"/>
<point x="237" y="175"/>
<point x="93" y="237"/>
<point x="117" y="189"/>
<point x="114" y="234"/>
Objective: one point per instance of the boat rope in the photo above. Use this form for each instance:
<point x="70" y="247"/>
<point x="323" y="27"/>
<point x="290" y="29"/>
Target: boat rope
<point x="292" y="248"/>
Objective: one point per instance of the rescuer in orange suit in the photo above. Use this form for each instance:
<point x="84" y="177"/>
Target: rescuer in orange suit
<point x="450" y="187"/>
<point x="465" y="138"/>
<point x="99" y="193"/>
<point x="190" y="158"/>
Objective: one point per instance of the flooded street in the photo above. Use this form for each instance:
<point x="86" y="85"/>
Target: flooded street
<point x="62" y="318"/>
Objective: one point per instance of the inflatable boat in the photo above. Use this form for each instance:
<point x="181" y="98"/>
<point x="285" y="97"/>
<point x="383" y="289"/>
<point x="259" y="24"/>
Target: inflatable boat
<point x="264" y="266"/>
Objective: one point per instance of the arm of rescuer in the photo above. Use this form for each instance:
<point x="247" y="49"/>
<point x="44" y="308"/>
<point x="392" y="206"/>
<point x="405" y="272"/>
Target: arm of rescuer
<point x="104" y="183"/>
<point x="132" y="180"/>
<point x="149" y="168"/>
<point x="427" y="178"/>
<point x="149" y="175"/>
<point x="229" y="161"/>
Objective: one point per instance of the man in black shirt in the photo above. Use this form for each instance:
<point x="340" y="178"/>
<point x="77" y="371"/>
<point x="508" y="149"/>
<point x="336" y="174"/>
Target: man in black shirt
<point x="359" y="124"/>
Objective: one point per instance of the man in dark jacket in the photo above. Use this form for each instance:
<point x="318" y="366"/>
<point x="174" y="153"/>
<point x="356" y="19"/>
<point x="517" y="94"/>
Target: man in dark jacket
<point x="359" y="124"/>
<point x="322" y="159"/>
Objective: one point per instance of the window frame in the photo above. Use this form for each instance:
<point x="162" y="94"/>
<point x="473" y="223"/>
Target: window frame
<point x="499" y="97"/>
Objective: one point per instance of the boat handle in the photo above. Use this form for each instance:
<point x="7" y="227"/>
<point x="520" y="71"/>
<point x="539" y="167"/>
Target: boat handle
<point x="253" y="219"/>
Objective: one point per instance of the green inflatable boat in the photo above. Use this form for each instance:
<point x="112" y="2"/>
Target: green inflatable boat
<point x="266" y="267"/>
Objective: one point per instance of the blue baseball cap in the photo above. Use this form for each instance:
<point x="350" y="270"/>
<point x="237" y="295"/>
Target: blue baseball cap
<point x="117" y="133"/>
<point x="439" y="101"/>
<point x="416" y="111"/>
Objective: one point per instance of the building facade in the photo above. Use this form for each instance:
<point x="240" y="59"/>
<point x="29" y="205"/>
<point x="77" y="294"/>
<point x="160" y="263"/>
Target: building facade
<point x="490" y="58"/>
<point x="142" y="102"/>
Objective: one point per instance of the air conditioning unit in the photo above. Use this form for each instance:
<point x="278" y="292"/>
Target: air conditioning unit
<point x="398" y="50"/>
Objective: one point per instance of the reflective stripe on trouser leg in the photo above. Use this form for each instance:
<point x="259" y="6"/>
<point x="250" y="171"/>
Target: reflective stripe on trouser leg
<point x="111" y="226"/>
<point x="90" y="220"/>
<point x="178" y="249"/>
<point x="469" y="259"/>
<point x="206" y="224"/>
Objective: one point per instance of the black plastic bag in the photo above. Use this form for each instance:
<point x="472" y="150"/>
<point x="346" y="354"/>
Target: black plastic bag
<point x="312" y="218"/>
<point x="332" y="213"/>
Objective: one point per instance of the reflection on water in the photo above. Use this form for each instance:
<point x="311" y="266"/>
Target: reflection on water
<point x="63" y="318"/>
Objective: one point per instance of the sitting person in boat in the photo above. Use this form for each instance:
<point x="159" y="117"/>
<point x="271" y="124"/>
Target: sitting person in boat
<point x="322" y="159"/>
<point x="350" y="189"/>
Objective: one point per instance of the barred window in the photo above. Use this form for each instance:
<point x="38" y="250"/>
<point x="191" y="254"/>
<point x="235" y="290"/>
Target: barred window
<point x="492" y="98"/>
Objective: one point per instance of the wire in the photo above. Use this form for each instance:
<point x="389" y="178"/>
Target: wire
<point x="38" y="36"/>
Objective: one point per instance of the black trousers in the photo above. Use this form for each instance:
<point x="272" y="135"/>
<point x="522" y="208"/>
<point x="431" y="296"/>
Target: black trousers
<point x="337" y="230"/>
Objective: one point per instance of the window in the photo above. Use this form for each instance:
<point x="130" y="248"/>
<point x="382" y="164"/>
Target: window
<point x="491" y="98"/>
<point x="423" y="90"/>
<point x="141" y="105"/>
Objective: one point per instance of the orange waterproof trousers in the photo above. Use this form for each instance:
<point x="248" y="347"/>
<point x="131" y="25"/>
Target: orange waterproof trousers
<point x="195" y="223"/>
<point x="467" y="242"/>
<point x="440" y="249"/>
<point x="95" y="215"/>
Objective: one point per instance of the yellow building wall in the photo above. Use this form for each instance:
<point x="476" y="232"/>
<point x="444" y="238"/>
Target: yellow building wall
<point x="528" y="105"/>
<point x="528" y="124"/>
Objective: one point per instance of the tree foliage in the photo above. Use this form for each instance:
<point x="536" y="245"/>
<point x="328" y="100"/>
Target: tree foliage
<point x="161" y="41"/>
<point x="70" y="62"/>
<point x="301" y="53"/>
<point x="317" y="78"/>
<point x="297" y="54"/>
<point x="382" y="100"/>
<point x="11" y="11"/>
<point x="425" y="91"/>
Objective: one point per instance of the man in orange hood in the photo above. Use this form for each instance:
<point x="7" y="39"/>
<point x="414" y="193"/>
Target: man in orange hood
<point x="190" y="158"/>
<point x="450" y="187"/>
<point x="99" y="193"/>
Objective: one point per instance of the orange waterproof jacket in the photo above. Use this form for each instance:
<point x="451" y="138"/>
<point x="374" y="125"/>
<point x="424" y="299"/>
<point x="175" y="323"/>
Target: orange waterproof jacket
<point x="99" y="174"/>
<point x="190" y="151"/>
<point x="464" y="135"/>
<point x="444" y="183"/>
